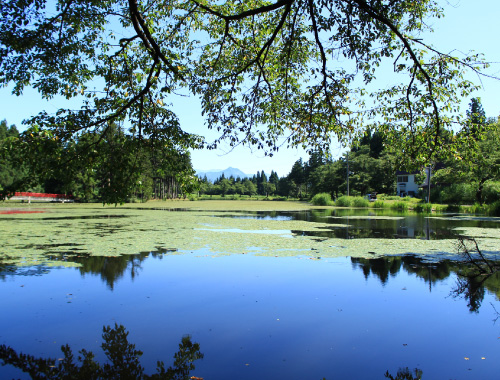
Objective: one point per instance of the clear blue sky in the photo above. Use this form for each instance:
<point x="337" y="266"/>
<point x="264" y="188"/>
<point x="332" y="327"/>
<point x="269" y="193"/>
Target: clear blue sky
<point x="467" y="25"/>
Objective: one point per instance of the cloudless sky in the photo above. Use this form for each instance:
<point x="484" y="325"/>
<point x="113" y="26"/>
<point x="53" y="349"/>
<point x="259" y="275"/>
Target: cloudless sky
<point x="467" y="25"/>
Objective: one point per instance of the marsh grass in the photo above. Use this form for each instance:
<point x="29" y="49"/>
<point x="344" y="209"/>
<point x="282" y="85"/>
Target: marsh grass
<point x="343" y="201"/>
<point x="322" y="199"/>
<point x="350" y="201"/>
<point x="491" y="209"/>
<point x="423" y="207"/>
<point x="360" y="202"/>
<point x="400" y="205"/>
<point x="379" y="204"/>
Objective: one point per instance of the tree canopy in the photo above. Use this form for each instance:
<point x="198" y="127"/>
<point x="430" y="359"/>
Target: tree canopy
<point x="268" y="73"/>
<point x="464" y="181"/>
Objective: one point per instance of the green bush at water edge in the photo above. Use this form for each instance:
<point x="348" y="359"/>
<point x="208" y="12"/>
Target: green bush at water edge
<point x="349" y="201"/>
<point x="322" y="199"/>
<point x="360" y="202"/>
<point x="400" y="205"/>
<point x="343" y="201"/>
<point x="379" y="204"/>
<point x="494" y="209"/>
<point x="423" y="207"/>
<point x="491" y="192"/>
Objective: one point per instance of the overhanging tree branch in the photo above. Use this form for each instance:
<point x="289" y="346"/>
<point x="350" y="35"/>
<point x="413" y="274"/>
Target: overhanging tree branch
<point x="248" y="13"/>
<point x="363" y="5"/>
<point x="143" y="31"/>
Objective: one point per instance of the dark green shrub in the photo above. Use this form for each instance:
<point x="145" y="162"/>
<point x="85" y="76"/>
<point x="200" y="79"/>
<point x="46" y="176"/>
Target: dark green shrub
<point x="423" y="207"/>
<point x="494" y="209"/>
<point x="322" y="199"/>
<point x="400" y="205"/>
<point x="379" y="204"/>
<point x="460" y="193"/>
<point x="360" y="202"/>
<point x="491" y="192"/>
<point x="453" y="208"/>
<point x="343" y="201"/>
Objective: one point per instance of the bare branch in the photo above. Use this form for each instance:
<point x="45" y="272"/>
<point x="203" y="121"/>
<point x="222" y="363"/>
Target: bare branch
<point x="143" y="31"/>
<point x="264" y="48"/>
<point x="323" y="57"/>
<point x="363" y="5"/>
<point x="248" y="13"/>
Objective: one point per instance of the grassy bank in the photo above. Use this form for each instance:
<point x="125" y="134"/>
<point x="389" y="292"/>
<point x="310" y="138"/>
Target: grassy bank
<point x="405" y="204"/>
<point x="207" y="202"/>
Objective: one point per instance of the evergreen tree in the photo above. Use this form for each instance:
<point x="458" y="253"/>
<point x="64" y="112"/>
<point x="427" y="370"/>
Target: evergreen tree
<point x="12" y="169"/>
<point x="476" y="120"/>
<point x="297" y="177"/>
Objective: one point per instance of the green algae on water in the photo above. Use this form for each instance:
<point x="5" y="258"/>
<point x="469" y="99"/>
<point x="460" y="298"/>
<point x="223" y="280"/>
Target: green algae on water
<point x="70" y="230"/>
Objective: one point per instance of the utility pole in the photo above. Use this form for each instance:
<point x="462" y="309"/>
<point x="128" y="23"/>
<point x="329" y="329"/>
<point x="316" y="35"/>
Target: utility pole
<point x="347" y="173"/>
<point x="429" y="185"/>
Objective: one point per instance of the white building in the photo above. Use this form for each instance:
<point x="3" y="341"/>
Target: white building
<point x="406" y="184"/>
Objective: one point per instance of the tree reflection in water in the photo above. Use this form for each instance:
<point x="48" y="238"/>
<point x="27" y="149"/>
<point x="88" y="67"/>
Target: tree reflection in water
<point x="474" y="276"/>
<point x="477" y="274"/>
<point x="123" y="360"/>
<point x="109" y="268"/>
<point x="405" y="374"/>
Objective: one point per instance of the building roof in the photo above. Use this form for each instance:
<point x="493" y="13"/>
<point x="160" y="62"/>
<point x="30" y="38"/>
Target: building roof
<point x="401" y="172"/>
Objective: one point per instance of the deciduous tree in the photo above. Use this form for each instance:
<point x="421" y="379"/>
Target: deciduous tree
<point x="287" y="72"/>
<point x="486" y="166"/>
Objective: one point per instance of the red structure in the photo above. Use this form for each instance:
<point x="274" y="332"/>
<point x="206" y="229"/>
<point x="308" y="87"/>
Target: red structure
<point x="28" y="196"/>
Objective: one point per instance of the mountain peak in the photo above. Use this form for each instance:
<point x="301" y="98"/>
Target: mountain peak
<point x="213" y="174"/>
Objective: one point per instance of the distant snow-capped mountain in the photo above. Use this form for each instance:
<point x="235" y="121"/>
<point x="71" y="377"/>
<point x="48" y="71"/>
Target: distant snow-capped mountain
<point x="213" y="174"/>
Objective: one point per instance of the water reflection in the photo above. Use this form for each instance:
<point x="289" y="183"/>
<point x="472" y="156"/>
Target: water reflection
<point x="473" y="276"/>
<point x="112" y="269"/>
<point x="405" y="374"/>
<point x="318" y="315"/>
<point x="469" y="286"/>
<point x="386" y="267"/>
<point x="123" y="361"/>
<point x="7" y="270"/>
<point x="109" y="268"/>
<point x="364" y="224"/>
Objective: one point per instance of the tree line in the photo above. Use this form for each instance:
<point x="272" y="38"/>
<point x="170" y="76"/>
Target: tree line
<point x="469" y="175"/>
<point x="92" y="168"/>
<point x="159" y="171"/>
<point x="371" y="169"/>
<point x="268" y="74"/>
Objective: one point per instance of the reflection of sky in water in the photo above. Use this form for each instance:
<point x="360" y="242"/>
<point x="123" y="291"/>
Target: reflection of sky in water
<point x="259" y="317"/>
<point x="240" y="231"/>
<point x="377" y="223"/>
<point x="258" y="217"/>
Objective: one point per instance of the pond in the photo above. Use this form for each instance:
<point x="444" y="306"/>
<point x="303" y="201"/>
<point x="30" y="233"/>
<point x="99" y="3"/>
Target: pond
<point x="266" y="293"/>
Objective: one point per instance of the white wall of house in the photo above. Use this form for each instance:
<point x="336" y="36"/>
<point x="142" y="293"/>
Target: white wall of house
<point x="406" y="185"/>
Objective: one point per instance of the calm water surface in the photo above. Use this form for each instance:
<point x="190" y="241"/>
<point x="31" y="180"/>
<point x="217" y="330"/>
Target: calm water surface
<point x="255" y="317"/>
<point x="378" y="223"/>
<point x="260" y="317"/>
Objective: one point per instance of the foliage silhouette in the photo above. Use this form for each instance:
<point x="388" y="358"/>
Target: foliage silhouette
<point x="405" y="374"/>
<point x="473" y="277"/>
<point x="267" y="74"/>
<point x="123" y="362"/>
